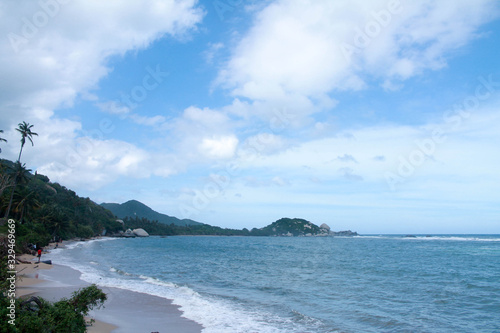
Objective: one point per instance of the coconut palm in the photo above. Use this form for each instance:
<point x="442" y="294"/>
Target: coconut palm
<point x="24" y="202"/>
<point x="6" y="181"/>
<point x="2" y="139"/>
<point x="25" y="130"/>
<point x="20" y="176"/>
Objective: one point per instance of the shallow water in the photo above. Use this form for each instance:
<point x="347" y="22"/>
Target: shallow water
<point x="308" y="284"/>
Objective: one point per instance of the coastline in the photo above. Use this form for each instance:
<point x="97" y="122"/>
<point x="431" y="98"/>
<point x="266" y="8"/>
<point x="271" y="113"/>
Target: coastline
<point x="31" y="282"/>
<point x="124" y="310"/>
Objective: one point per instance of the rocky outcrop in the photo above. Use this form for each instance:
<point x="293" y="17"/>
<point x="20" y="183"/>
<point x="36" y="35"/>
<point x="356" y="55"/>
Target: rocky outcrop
<point x="140" y="232"/>
<point x="129" y="233"/>
<point x="325" y="227"/>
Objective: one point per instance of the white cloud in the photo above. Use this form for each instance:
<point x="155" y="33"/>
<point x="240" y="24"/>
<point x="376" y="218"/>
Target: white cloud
<point x="211" y="52"/>
<point x="67" y="54"/>
<point x="311" y="48"/>
<point x="148" y="121"/>
<point x="222" y="147"/>
<point x="55" y="51"/>
<point x="263" y="144"/>
<point x="461" y="154"/>
<point x="113" y="107"/>
<point x="202" y="135"/>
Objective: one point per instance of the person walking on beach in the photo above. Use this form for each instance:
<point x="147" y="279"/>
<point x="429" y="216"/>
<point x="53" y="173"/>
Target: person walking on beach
<point x="39" y="254"/>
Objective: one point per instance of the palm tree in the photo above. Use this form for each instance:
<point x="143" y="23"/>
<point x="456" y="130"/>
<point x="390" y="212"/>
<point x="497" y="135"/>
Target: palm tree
<point x="24" y="201"/>
<point x="2" y="139"/>
<point x="5" y="182"/>
<point x="20" y="176"/>
<point x="25" y="130"/>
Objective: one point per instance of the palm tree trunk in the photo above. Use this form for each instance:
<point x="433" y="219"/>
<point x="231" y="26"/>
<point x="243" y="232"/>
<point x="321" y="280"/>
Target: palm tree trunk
<point x="10" y="201"/>
<point x="22" y="215"/>
<point x="20" y="152"/>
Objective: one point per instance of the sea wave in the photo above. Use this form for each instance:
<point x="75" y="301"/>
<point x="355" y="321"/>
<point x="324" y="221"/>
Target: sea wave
<point x="465" y="238"/>
<point x="454" y="238"/>
<point x="215" y="313"/>
<point x="84" y="243"/>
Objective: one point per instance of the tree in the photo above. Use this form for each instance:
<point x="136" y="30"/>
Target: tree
<point x="25" y="130"/>
<point x="67" y="315"/>
<point x="5" y="182"/>
<point x="24" y="201"/>
<point x="20" y="176"/>
<point x="2" y="139"/>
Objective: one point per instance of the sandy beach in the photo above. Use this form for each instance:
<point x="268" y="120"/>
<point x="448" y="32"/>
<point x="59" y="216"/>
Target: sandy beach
<point x="124" y="311"/>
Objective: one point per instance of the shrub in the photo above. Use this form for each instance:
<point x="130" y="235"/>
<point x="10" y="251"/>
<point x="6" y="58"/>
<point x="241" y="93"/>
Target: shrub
<point x="66" y="315"/>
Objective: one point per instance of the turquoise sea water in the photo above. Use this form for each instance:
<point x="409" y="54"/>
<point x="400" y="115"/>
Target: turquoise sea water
<point x="308" y="284"/>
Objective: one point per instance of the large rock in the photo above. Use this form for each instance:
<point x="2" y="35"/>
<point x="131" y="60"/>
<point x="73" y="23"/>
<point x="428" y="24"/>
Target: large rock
<point x="325" y="227"/>
<point x="128" y="233"/>
<point x="140" y="232"/>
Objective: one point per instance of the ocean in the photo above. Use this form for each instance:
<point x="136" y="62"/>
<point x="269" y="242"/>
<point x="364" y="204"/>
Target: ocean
<point x="446" y="283"/>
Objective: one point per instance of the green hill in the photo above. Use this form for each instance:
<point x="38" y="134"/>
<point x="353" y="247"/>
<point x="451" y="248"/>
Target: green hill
<point x="291" y="227"/>
<point x="134" y="208"/>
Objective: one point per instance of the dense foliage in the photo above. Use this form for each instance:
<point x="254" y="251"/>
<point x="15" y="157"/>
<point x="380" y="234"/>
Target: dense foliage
<point x="45" y="211"/>
<point x="66" y="315"/>
<point x="157" y="228"/>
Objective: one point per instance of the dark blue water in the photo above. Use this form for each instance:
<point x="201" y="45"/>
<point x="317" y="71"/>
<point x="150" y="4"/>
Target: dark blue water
<point x="309" y="284"/>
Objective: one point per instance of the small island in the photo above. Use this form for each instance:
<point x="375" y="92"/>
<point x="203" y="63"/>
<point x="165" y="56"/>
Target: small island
<point x="296" y="227"/>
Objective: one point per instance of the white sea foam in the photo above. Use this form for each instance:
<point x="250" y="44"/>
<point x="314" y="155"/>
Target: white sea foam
<point x="433" y="238"/>
<point x="73" y="244"/>
<point x="455" y="238"/>
<point x="216" y="314"/>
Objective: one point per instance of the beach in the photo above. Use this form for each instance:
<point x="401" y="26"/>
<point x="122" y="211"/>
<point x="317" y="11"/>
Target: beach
<point x="124" y="310"/>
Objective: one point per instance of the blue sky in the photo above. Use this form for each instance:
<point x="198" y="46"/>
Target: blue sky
<point x="375" y="116"/>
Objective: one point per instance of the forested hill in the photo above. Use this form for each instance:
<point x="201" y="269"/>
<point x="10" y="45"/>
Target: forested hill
<point x="134" y="208"/>
<point x="45" y="210"/>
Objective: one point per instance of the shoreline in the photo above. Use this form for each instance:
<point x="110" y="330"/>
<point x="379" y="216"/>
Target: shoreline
<point x="123" y="311"/>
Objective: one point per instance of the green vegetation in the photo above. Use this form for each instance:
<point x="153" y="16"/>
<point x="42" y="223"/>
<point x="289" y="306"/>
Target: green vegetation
<point x="134" y="208"/>
<point x="157" y="228"/>
<point x="20" y="169"/>
<point x="282" y="227"/>
<point x="294" y="227"/>
<point x="39" y="315"/>
<point x="44" y="211"/>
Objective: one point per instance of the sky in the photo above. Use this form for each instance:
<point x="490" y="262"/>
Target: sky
<point x="375" y="116"/>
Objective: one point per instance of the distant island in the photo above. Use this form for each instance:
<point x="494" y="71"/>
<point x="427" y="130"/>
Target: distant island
<point x="296" y="227"/>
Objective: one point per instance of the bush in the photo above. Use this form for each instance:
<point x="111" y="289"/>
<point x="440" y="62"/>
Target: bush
<point x="85" y="231"/>
<point x="66" y="315"/>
